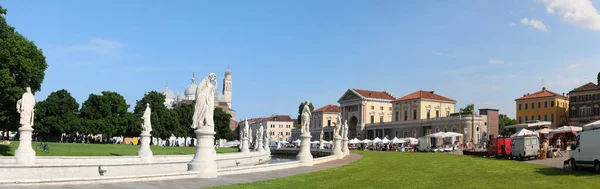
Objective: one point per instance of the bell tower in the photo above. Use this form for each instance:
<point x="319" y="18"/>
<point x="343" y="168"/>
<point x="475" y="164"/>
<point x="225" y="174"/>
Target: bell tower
<point x="227" y="88"/>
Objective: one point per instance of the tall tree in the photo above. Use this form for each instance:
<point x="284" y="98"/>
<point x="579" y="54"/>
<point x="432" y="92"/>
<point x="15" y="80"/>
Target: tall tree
<point x="598" y="78"/>
<point x="300" y="112"/>
<point x="164" y="121"/>
<point x="504" y="120"/>
<point x="105" y="114"/>
<point x="22" y="64"/>
<point x="468" y="109"/>
<point x="184" y="114"/>
<point x="222" y="120"/>
<point x="56" y="115"/>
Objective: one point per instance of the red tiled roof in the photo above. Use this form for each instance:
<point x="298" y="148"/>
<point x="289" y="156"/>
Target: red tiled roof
<point x="540" y="94"/>
<point x="272" y="118"/>
<point x="375" y="94"/>
<point x="424" y="95"/>
<point x="328" y="108"/>
<point x="587" y="87"/>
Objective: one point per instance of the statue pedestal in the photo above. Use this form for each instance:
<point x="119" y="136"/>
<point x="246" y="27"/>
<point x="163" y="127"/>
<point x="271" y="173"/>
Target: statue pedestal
<point x="25" y="154"/>
<point x="337" y="147"/>
<point x="305" y="158"/>
<point x="321" y="145"/>
<point x="145" y="153"/>
<point x="245" y="145"/>
<point x="205" y="156"/>
<point x="266" y="146"/>
<point x="345" y="147"/>
<point x="259" y="143"/>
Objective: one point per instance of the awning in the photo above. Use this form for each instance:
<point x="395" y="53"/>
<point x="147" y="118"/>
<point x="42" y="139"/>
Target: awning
<point x="529" y="125"/>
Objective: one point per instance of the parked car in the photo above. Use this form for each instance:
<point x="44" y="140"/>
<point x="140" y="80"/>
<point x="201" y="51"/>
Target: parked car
<point x="525" y="147"/>
<point x="586" y="150"/>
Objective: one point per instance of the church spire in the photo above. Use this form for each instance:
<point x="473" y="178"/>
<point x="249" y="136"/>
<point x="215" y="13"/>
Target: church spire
<point x="193" y="78"/>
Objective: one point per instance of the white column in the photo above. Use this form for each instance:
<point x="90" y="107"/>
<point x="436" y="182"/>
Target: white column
<point x="305" y="158"/>
<point x="205" y="156"/>
<point x="337" y="148"/>
<point x="145" y="153"/>
<point x="260" y="144"/>
<point x="25" y="154"/>
<point x="245" y="145"/>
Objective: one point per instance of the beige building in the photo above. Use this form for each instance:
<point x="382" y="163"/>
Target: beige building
<point x="422" y="105"/>
<point x="362" y="107"/>
<point x="324" y="118"/>
<point x="275" y="125"/>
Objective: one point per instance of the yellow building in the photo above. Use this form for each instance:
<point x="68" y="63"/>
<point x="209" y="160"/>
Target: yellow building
<point x="325" y="116"/>
<point x="543" y="105"/>
<point x="422" y="105"/>
<point x="361" y="107"/>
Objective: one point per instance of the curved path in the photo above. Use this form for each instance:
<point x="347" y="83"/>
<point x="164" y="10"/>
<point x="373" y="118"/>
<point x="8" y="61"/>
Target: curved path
<point x="203" y="183"/>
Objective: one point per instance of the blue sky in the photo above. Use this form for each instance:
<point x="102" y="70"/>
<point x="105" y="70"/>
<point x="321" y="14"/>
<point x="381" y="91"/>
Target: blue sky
<point x="284" y="52"/>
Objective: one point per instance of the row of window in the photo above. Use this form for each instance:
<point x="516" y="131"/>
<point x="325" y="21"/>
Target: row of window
<point x="539" y="118"/>
<point x="583" y="98"/>
<point x="281" y="126"/>
<point x="380" y="108"/>
<point x="539" y="105"/>
<point x="584" y="111"/>
<point x="281" y="133"/>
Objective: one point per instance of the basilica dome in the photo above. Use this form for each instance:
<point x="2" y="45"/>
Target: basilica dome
<point x="190" y="91"/>
<point x="168" y="93"/>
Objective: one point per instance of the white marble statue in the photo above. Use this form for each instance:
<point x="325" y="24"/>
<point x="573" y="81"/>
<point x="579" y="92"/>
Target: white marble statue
<point x="246" y="129"/>
<point x="345" y="135"/>
<point x="338" y="126"/>
<point x="260" y="131"/>
<point x="146" y="124"/>
<point x="321" y="140"/>
<point x="25" y="107"/>
<point x="205" y="103"/>
<point x="306" y="118"/>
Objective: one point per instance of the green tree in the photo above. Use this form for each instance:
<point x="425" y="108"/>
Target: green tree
<point x="56" y="115"/>
<point x="106" y="114"/>
<point x="504" y="120"/>
<point x="22" y="65"/>
<point x="184" y="114"/>
<point x="468" y="109"/>
<point x="300" y="112"/>
<point x="222" y="120"/>
<point x="598" y="78"/>
<point x="164" y="121"/>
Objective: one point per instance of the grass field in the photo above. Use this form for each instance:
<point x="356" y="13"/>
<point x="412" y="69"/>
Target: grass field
<point x="429" y="170"/>
<point x="70" y="149"/>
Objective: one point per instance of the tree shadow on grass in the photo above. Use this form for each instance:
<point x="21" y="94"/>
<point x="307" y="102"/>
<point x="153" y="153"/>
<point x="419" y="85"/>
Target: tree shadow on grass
<point x="113" y="154"/>
<point x="5" y="150"/>
<point x="551" y="171"/>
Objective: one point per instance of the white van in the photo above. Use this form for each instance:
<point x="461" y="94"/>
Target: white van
<point x="424" y="144"/>
<point x="586" y="151"/>
<point x="525" y="147"/>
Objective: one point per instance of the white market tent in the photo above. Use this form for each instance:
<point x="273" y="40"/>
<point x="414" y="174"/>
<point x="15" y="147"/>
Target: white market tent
<point x="529" y="125"/>
<point x="366" y="141"/>
<point x="315" y="142"/>
<point x="543" y="131"/>
<point x="438" y="135"/>
<point x="283" y="142"/>
<point x="567" y="129"/>
<point x="297" y="141"/>
<point x="412" y="140"/>
<point x="354" y="141"/>
<point x="523" y="132"/>
<point x="592" y="126"/>
<point x="396" y="140"/>
<point x="453" y="134"/>
<point x="385" y="140"/>
<point x="377" y="140"/>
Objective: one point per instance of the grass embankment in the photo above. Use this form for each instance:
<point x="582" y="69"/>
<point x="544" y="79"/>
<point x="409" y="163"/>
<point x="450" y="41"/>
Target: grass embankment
<point x="71" y="149"/>
<point x="430" y="170"/>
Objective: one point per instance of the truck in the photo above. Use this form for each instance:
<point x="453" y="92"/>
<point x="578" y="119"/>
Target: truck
<point x="499" y="147"/>
<point x="586" y="150"/>
<point x="525" y="147"/>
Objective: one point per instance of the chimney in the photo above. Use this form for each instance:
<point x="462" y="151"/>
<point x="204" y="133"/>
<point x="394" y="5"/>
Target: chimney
<point x="432" y="92"/>
<point x="524" y="95"/>
<point x="543" y="88"/>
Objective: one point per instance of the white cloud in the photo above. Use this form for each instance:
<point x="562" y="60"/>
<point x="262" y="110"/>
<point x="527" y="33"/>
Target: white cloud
<point x="536" y="24"/>
<point x="573" y="66"/>
<point x="495" y="61"/>
<point x="576" y="12"/>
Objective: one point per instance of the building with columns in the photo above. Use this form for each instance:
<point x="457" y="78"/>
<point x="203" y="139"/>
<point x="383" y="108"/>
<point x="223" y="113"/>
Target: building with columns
<point x="324" y="118"/>
<point x="362" y="107"/>
<point x="276" y="125"/>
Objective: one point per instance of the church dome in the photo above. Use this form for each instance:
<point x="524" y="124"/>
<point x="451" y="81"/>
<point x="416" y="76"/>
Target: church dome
<point x="190" y="91"/>
<point x="180" y="97"/>
<point x="168" y="93"/>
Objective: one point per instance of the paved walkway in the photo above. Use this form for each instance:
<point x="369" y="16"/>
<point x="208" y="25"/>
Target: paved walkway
<point x="552" y="162"/>
<point x="203" y="183"/>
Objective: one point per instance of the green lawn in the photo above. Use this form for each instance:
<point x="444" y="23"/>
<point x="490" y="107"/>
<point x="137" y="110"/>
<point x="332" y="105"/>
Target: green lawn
<point x="70" y="149"/>
<point x="429" y="170"/>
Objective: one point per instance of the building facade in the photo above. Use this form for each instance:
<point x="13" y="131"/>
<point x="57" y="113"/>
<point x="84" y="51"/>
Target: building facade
<point x="276" y="125"/>
<point x="543" y="105"/>
<point x="362" y="107"/>
<point x="584" y="103"/>
<point x="422" y="105"/>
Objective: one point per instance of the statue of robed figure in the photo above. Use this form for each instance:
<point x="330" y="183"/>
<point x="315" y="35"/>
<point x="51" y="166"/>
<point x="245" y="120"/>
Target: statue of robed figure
<point x="146" y="124"/>
<point x="205" y="103"/>
<point x="25" y="107"/>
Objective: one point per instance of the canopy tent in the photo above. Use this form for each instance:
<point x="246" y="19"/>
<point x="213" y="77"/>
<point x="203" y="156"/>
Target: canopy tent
<point x="283" y="142"/>
<point x="366" y="141"/>
<point x="453" y="134"/>
<point x="566" y="129"/>
<point x="377" y="140"/>
<point x="297" y="141"/>
<point x="315" y="142"/>
<point x="411" y="140"/>
<point x="524" y="132"/>
<point x="529" y="125"/>
<point x="592" y="126"/>
<point x="327" y="142"/>
<point x="235" y="142"/>
<point x="396" y="140"/>
<point x="543" y="131"/>
<point x="437" y="135"/>
<point x="385" y="140"/>
<point x="354" y="141"/>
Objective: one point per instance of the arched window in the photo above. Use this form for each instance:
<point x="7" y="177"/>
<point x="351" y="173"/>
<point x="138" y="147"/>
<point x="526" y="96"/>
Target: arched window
<point x="414" y="133"/>
<point x="445" y="129"/>
<point x="405" y="134"/>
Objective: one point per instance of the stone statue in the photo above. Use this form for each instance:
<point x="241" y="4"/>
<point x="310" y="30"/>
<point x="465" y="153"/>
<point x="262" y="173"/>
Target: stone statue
<point x="25" y="107"/>
<point x="338" y="126"/>
<point x="260" y="132"/>
<point x="306" y="118"/>
<point x="345" y="135"/>
<point x="146" y="125"/>
<point x="246" y="129"/>
<point x="321" y="140"/>
<point x="205" y="103"/>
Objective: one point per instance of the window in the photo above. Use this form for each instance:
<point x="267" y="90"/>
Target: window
<point x="273" y="126"/>
<point x="520" y="120"/>
<point x="405" y="115"/>
<point x="539" y="117"/>
<point x="396" y="115"/>
<point x="280" y="126"/>
<point x="546" y="117"/>
<point x="526" y="119"/>
<point x="552" y="118"/>
<point x="381" y="108"/>
<point x="428" y="114"/>
<point x="552" y="103"/>
<point x="414" y="114"/>
<point x="380" y="119"/>
<point x="288" y="126"/>
<point x="372" y="119"/>
<point x="545" y="104"/>
<point x="437" y="113"/>
<point x="519" y="106"/>
<point x="390" y="108"/>
<point x="532" y="105"/>
<point x="532" y="118"/>
<point x="405" y="134"/>
<point x="372" y="107"/>
<point x="328" y="123"/>
<point x="539" y="104"/>
<point x="526" y="105"/>
<point x="447" y="113"/>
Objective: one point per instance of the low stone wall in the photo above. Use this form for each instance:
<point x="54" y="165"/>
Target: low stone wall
<point x="295" y="151"/>
<point x="66" y="168"/>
